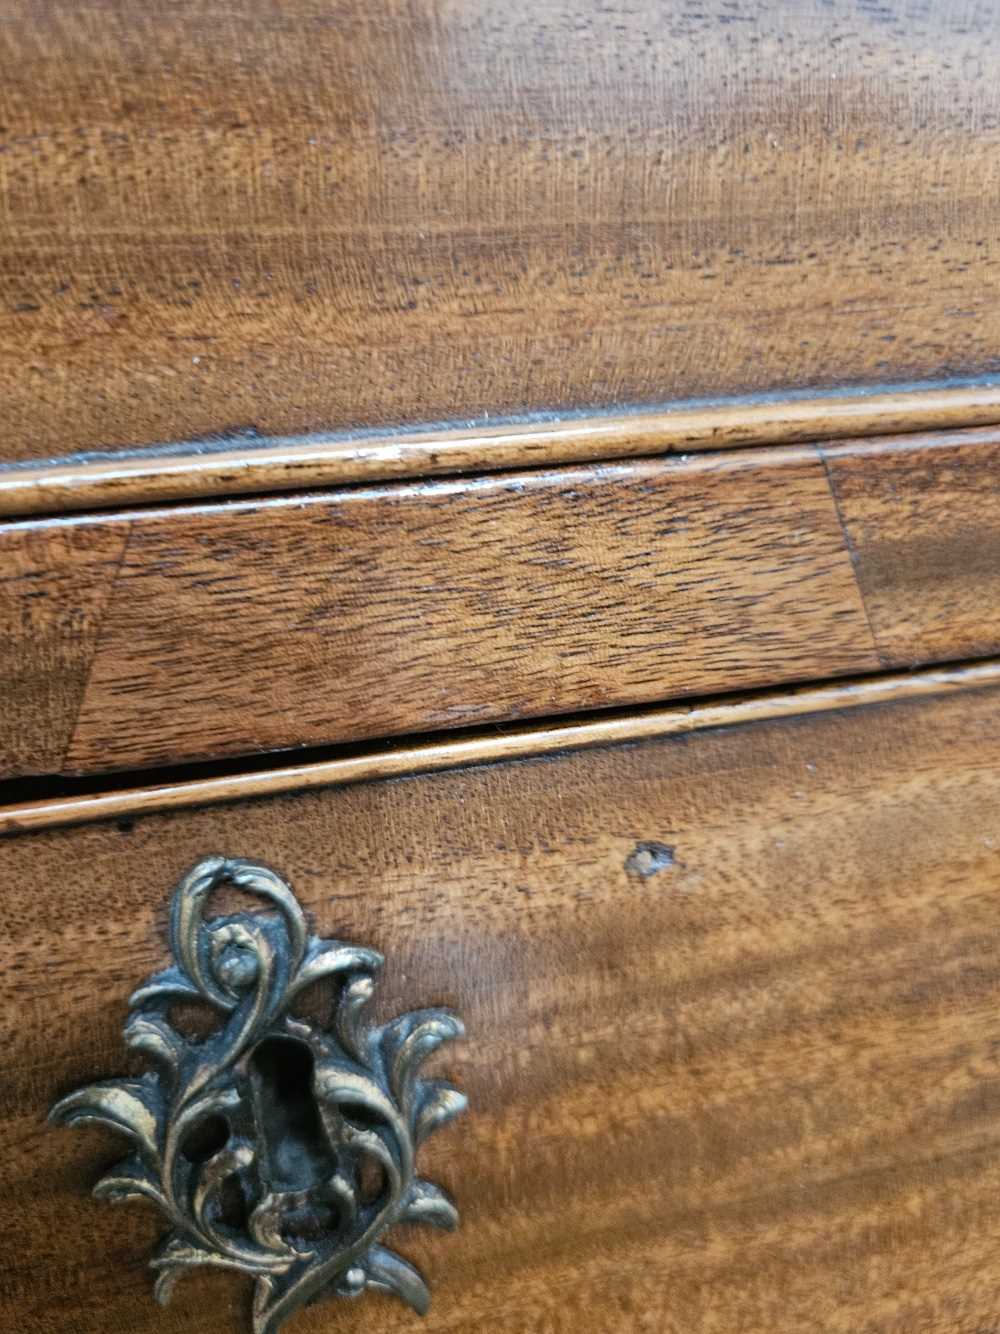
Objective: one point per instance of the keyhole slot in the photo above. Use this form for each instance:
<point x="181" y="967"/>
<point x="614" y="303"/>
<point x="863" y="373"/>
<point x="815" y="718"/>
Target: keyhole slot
<point x="296" y="1150"/>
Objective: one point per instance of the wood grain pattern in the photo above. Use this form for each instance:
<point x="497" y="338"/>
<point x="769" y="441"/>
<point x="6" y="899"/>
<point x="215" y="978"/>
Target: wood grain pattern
<point x="924" y="521"/>
<point x="330" y="213"/>
<point x="486" y="747"/>
<point x="341" y="616"/>
<point x="199" y="469"/>
<point x="757" y="1090"/>
<point x="55" y="586"/>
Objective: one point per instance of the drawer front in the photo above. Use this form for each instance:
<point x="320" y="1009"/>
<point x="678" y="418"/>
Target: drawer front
<point x="167" y="636"/>
<point x="293" y="218"/>
<point x="733" y="1009"/>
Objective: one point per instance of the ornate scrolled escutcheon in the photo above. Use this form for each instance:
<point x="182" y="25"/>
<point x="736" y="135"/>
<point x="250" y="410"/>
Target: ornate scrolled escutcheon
<point x="276" y="1146"/>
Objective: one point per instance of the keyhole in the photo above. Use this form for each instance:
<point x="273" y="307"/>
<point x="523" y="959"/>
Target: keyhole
<point x="297" y="1153"/>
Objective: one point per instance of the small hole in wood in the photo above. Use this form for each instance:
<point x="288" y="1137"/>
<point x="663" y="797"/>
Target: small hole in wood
<point x="650" y="858"/>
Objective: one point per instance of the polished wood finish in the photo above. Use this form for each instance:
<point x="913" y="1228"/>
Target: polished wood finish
<point x="194" y="470"/>
<point x="336" y="617"/>
<point x="486" y="747"/>
<point x="55" y="585"/>
<point x="312" y="215"/>
<point x="923" y="519"/>
<point x="747" y="1084"/>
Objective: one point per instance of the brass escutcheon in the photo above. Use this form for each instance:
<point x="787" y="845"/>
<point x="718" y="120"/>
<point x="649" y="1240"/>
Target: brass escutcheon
<point x="276" y="1145"/>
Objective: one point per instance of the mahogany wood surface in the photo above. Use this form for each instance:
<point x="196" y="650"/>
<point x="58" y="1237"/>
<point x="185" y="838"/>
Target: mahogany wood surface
<point x="749" y="1083"/>
<point x="923" y="520"/>
<point x="298" y="216"/>
<point x="230" y="628"/>
<point x="227" y="629"/>
<point x="108" y="799"/>
<point x="55" y="583"/>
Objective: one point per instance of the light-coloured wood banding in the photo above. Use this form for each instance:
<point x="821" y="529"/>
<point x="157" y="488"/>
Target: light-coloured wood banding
<point x="456" y="752"/>
<point x="260" y="467"/>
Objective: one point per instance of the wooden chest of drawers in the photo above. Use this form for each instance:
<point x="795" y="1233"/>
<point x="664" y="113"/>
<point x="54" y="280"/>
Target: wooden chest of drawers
<point x="635" y="728"/>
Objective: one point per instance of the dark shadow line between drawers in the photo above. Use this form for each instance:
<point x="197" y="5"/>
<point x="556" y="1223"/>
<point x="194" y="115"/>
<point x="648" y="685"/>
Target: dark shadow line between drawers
<point x="46" y="801"/>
